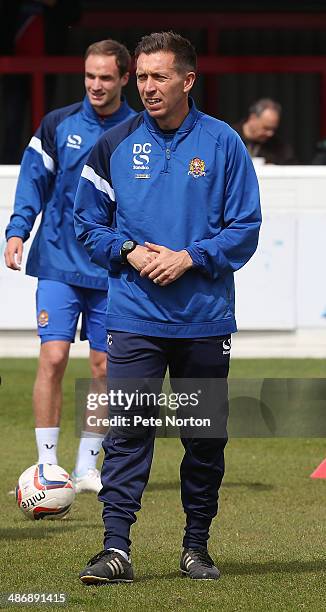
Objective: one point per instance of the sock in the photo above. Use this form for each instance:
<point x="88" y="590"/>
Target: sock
<point x="122" y="552"/>
<point x="46" y="442"/>
<point x="89" y="448"/>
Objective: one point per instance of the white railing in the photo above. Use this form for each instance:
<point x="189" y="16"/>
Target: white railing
<point x="280" y="293"/>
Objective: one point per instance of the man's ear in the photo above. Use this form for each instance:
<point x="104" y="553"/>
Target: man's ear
<point x="189" y="81"/>
<point x="125" y="79"/>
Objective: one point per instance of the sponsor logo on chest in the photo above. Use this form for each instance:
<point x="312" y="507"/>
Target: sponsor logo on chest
<point x="74" y="141"/>
<point x="141" y="159"/>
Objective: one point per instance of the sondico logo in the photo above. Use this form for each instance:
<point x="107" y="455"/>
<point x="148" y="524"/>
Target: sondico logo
<point x="141" y="156"/>
<point x="227" y="346"/>
<point x="74" y="141"/>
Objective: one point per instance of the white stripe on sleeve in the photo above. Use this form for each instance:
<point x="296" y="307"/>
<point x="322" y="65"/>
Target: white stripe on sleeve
<point x="100" y="183"/>
<point x="36" y="144"/>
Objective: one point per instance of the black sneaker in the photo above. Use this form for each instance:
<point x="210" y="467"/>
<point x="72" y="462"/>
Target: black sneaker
<point x="197" y="564"/>
<point x="107" y="566"/>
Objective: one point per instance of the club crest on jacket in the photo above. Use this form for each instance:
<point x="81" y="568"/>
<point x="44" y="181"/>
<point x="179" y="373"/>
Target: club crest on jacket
<point x="197" y="167"/>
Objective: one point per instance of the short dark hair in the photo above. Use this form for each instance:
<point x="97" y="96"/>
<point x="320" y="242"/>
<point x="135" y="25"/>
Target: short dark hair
<point x="184" y="52"/>
<point x="258" y="107"/>
<point x="111" y="47"/>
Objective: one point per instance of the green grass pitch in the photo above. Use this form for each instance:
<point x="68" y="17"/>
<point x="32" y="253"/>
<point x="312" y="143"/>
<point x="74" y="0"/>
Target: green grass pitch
<point x="268" y="540"/>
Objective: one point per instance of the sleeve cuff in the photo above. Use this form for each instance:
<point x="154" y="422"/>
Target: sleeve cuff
<point x="116" y="250"/>
<point x="16" y="233"/>
<point x="197" y="256"/>
<point x="100" y="255"/>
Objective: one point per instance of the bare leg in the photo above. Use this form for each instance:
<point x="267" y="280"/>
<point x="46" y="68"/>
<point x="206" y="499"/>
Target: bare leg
<point x="97" y="361"/>
<point x="47" y="394"/>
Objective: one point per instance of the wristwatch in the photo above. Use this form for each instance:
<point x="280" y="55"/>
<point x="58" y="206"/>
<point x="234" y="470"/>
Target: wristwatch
<point x="127" y="247"/>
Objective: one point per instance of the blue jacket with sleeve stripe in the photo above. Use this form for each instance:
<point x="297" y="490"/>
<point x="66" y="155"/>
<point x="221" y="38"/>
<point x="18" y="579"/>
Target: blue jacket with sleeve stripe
<point x="199" y="193"/>
<point x="47" y="183"/>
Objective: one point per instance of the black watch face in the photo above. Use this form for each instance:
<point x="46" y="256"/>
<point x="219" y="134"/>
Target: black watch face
<point x="128" y="245"/>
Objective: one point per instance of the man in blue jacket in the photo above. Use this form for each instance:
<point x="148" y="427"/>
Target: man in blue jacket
<point x="68" y="283"/>
<point x="168" y="203"/>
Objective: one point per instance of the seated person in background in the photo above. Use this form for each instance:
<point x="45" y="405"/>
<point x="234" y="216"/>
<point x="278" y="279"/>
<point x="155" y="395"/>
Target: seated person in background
<point x="258" y="133"/>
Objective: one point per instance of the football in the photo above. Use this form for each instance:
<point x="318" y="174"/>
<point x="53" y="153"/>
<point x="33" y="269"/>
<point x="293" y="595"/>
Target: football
<point x="45" y="491"/>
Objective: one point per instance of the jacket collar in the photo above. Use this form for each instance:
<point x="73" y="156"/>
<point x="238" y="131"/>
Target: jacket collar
<point x="120" y="115"/>
<point x="185" y="126"/>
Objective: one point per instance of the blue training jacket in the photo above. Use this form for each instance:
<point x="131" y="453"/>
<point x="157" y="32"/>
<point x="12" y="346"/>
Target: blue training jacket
<point x="48" y="179"/>
<point x="199" y="193"/>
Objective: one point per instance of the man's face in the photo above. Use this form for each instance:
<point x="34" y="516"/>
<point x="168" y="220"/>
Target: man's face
<point x="103" y="83"/>
<point x="163" y="90"/>
<point x="264" y="126"/>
